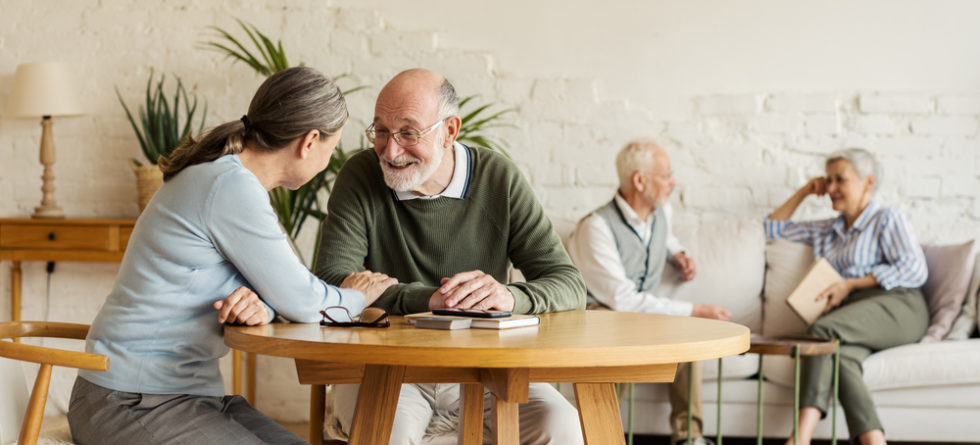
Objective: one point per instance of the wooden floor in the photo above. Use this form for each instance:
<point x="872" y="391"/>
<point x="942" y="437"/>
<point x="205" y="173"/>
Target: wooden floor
<point x="302" y="430"/>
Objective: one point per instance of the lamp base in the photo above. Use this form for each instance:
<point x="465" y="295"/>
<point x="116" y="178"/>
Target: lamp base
<point x="48" y="212"/>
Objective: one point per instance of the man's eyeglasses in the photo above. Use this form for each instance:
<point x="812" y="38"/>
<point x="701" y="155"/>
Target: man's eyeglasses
<point x="406" y="138"/>
<point x="371" y="317"/>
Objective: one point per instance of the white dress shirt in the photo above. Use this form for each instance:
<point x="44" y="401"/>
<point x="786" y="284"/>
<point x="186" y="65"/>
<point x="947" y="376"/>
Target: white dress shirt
<point x="593" y="249"/>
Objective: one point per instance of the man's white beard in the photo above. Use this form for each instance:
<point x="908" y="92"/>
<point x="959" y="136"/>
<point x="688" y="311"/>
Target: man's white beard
<point x="412" y="177"/>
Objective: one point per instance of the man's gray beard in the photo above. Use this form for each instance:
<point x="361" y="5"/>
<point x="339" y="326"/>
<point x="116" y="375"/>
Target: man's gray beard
<point x="412" y="179"/>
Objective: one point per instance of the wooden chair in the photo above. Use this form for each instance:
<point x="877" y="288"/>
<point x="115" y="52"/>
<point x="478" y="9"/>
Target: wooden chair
<point x="46" y="357"/>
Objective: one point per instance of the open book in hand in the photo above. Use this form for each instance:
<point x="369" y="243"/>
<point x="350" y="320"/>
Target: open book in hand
<point x="513" y="321"/>
<point x="803" y="299"/>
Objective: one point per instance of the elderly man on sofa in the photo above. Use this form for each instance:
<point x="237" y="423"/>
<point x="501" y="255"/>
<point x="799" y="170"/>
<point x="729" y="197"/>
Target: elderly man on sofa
<point x="621" y="249"/>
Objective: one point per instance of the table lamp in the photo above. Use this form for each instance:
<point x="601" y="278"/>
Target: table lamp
<point x="44" y="90"/>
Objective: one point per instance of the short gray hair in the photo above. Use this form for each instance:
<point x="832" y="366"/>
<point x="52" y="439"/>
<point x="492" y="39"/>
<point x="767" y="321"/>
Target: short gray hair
<point x="862" y="160"/>
<point x="636" y="156"/>
<point x="448" y="101"/>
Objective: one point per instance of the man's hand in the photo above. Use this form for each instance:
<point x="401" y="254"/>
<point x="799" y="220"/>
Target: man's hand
<point x="371" y="284"/>
<point x="835" y="294"/>
<point x="711" y="311"/>
<point x="685" y="265"/>
<point x="242" y="307"/>
<point x="472" y="290"/>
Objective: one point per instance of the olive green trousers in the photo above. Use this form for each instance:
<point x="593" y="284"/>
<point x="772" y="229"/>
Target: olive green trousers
<point x="868" y="321"/>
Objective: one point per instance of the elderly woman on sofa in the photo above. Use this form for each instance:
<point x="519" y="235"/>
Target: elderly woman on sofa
<point x="877" y="306"/>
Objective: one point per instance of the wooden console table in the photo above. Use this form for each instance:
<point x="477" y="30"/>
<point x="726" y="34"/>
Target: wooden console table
<point x="86" y="240"/>
<point x="83" y="240"/>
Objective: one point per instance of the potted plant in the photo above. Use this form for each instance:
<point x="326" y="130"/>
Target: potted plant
<point x="161" y="126"/>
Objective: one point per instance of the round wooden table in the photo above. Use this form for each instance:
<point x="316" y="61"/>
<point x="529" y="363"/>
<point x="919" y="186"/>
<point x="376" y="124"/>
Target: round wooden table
<point x="592" y="349"/>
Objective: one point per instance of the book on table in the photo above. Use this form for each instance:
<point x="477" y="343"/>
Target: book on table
<point x="803" y="299"/>
<point x="513" y="321"/>
<point x="442" y="323"/>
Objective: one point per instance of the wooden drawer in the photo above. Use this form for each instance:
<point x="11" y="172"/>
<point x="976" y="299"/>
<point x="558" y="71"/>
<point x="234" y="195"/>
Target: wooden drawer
<point x="54" y="236"/>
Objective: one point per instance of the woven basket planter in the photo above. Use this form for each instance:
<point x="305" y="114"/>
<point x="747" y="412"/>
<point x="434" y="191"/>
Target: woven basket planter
<point x="149" y="178"/>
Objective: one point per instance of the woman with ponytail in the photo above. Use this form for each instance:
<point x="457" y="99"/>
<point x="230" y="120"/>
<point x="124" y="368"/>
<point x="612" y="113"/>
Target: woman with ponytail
<point x="208" y="232"/>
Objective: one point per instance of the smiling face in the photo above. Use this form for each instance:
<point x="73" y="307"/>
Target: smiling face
<point x="410" y="104"/>
<point x="848" y="192"/>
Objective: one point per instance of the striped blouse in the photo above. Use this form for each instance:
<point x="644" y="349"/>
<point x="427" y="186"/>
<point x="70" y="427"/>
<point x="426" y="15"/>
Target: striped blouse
<point x="880" y="243"/>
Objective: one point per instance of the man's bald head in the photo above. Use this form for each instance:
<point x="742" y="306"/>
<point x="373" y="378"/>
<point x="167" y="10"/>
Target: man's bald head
<point x="423" y="89"/>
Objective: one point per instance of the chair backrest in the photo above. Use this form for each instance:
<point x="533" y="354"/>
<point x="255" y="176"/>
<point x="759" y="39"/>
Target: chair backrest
<point x="47" y="358"/>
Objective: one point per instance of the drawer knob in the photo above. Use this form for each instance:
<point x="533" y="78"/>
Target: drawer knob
<point x="51" y="236"/>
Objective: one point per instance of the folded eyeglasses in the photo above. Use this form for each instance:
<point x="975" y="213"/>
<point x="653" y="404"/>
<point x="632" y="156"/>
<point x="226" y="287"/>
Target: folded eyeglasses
<point x="372" y="317"/>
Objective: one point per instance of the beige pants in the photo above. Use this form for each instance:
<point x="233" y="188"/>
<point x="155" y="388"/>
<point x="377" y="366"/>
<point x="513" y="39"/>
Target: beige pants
<point x="678" y="402"/>
<point x="430" y="411"/>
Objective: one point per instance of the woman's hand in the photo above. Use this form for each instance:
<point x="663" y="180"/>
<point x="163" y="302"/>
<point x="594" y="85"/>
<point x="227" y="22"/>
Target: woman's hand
<point x="816" y="186"/>
<point x="242" y="307"/>
<point x="835" y="294"/>
<point x="371" y="284"/>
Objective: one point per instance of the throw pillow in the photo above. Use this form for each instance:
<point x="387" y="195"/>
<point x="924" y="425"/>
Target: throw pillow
<point x="967" y="321"/>
<point x="786" y="264"/>
<point x="950" y="269"/>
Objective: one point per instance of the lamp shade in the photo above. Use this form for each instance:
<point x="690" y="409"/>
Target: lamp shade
<point x="43" y="89"/>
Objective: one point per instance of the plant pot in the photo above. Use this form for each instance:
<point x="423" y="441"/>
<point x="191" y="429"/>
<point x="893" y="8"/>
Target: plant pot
<point x="148" y="179"/>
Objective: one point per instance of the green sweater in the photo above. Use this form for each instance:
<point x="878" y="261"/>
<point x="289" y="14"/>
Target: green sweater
<point x="420" y="241"/>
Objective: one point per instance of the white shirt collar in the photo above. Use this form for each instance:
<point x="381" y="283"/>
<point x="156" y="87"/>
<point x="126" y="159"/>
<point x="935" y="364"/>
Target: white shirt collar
<point x="631" y="217"/>
<point x="457" y="185"/>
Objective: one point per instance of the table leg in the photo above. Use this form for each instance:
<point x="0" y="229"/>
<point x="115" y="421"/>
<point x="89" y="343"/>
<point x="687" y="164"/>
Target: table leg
<point x="318" y="404"/>
<point x="15" y="282"/>
<point x="251" y="368"/>
<point x="690" y="402"/>
<point x="758" y="408"/>
<point x="629" y="435"/>
<point x="718" y="405"/>
<point x="796" y="395"/>
<point x="471" y="419"/>
<point x="236" y="372"/>
<point x="506" y="422"/>
<point x="598" y="411"/>
<point x="376" y="404"/>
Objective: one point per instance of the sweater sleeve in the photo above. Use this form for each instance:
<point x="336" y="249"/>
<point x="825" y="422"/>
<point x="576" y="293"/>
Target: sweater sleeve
<point x="553" y="283"/>
<point x="246" y="232"/>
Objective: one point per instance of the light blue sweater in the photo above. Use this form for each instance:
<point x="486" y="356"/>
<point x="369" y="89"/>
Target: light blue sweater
<point x="207" y="231"/>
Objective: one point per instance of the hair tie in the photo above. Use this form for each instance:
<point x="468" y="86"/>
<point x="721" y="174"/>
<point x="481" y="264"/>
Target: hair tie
<point x="248" y="123"/>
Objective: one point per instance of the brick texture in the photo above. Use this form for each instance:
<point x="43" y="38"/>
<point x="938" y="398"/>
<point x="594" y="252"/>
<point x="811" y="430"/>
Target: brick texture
<point x="736" y="155"/>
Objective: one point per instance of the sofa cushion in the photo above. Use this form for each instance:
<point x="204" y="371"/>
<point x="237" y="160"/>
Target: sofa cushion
<point x="950" y="270"/>
<point x="730" y="259"/>
<point x="906" y="366"/>
<point x="786" y="264"/>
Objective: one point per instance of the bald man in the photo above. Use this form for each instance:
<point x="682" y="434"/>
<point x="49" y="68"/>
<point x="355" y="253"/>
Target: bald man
<point x="621" y="249"/>
<point x="445" y="220"/>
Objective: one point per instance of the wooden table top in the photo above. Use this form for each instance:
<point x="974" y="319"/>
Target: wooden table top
<point x="786" y="344"/>
<point x="565" y="339"/>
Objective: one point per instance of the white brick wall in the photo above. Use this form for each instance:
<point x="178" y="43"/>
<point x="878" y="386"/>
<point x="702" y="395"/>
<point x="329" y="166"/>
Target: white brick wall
<point x="735" y="154"/>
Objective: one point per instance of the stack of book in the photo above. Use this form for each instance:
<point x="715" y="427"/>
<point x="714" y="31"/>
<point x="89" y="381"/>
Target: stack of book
<point x="428" y="320"/>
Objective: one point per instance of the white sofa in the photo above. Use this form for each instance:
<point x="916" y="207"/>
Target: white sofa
<point x="924" y="391"/>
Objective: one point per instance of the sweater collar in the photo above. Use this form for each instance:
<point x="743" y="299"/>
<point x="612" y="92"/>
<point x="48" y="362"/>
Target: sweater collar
<point x="457" y="185"/>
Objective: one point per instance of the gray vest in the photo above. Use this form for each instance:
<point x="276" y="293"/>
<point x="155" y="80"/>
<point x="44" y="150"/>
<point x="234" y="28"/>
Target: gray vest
<point x="643" y="263"/>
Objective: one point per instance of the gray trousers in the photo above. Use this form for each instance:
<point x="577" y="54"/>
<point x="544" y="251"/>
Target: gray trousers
<point x="426" y="411"/>
<point x="869" y="320"/>
<point x="99" y="415"/>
